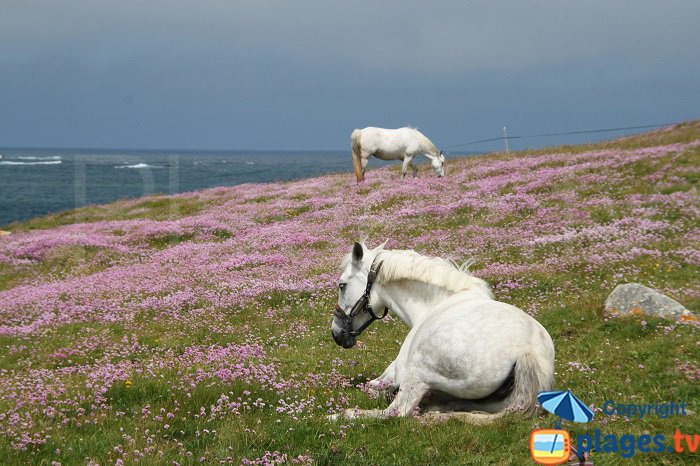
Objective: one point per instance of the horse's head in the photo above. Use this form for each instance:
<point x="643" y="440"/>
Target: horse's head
<point x="438" y="165"/>
<point x="353" y="313"/>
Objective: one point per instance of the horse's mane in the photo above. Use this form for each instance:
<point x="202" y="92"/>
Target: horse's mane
<point x="409" y="265"/>
<point x="424" y="138"/>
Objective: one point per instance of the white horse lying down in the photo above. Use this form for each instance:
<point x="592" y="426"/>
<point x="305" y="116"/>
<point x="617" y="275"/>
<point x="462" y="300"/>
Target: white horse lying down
<point x="393" y="144"/>
<point x="470" y="351"/>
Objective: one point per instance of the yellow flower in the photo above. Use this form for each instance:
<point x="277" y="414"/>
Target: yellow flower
<point x="128" y="383"/>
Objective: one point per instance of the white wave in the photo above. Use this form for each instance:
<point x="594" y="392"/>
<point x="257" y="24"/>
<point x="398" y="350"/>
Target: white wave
<point x="138" y="165"/>
<point x="50" y="157"/>
<point x="46" y="162"/>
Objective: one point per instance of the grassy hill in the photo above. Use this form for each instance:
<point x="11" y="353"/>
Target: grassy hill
<point x="194" y="329"/>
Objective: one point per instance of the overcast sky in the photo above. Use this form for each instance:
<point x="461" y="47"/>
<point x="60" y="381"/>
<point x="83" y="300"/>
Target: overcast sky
<point x="303" y="74"/>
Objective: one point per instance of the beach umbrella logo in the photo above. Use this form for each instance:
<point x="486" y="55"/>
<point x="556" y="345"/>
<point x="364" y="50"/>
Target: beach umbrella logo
<point x="565" y="405"/>
<point x="553" y="446"/>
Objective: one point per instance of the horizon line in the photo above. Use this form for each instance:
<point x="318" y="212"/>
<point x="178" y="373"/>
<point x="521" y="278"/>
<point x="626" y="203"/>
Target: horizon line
<point x="157" y="149"/>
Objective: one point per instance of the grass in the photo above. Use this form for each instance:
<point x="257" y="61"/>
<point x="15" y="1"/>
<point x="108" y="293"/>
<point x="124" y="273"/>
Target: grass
<point x="627" y="360"/>
<point x="61" y="263"/>
<point x="156" y="207"/>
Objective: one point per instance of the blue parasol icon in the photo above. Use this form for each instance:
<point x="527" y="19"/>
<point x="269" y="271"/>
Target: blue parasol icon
<point x="565" y="405"/>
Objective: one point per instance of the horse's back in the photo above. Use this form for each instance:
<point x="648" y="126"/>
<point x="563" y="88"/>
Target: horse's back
<point x="393" y="144"/>
<point x="470" y="347"/>
<point x="404" y="133"/>
<point x="483" y="327"/>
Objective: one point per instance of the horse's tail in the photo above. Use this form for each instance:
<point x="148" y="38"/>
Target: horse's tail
<point x="533" y="374"/>
<point x="357" y="154"/>
<point x="530" y="375"/>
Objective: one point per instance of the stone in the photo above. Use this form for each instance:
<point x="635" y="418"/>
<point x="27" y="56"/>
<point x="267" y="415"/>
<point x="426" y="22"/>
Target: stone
<point x="4" y="232"/>
<point x="636" y="299"/>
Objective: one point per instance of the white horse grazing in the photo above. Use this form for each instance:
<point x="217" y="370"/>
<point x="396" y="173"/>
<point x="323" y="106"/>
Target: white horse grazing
<point x="393" y="144"/>
<point x="476" y="355"/>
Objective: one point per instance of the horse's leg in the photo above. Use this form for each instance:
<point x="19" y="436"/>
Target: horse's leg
<point x="404" y="167"/>
<point x="406" y="402"/>
<point x="475" y="418"/>
<point x="390" y="381"/>
<point x="365" y="160"/>
<point x="415" y="169"/>
<point x="386" y="382"/>
<point x="488" y="407"/>
<point x="355" y="414"/>
<point x="409" y="397"/>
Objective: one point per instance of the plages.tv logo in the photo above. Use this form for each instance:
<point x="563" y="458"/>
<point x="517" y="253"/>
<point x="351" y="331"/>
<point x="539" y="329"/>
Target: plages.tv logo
<point x="550" y="446"/>
<point x="556" y="446"/>
<point x="553" y="446"/>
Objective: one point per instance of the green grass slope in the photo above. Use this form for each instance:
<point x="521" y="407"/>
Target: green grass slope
<point x="194" y="329"/>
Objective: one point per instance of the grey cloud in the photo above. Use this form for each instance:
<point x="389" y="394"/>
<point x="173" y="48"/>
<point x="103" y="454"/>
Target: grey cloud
<point x="226" y="73"/>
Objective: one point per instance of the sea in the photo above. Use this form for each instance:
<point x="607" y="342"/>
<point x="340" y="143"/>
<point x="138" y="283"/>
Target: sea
<point x="35" y="182"/>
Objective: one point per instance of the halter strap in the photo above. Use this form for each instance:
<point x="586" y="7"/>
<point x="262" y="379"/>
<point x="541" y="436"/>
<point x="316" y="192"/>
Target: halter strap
<point x="362" y="304"/>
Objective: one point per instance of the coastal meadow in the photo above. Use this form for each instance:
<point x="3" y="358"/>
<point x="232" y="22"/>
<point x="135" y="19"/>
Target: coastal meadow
<point x="194" y="329"/>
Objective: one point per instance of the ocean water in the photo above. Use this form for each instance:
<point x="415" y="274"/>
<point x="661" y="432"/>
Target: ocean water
<point x="36" y="182"/>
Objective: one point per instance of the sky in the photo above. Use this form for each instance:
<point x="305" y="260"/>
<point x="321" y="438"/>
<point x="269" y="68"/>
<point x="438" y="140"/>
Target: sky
<point x="293" y="75"/>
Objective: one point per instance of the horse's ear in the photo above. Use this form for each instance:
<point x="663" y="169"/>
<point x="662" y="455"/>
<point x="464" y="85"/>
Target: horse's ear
<point x="363" y="239"/>
<point x="380" y="247"/>
<point x="357" y="252"/>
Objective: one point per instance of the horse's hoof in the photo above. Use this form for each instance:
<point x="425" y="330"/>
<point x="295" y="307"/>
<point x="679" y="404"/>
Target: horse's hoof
<point x="347" y="414"/>
<point x="380" y="385"/>
<point x="378" y="388"/>
<point x="375" y="388"/>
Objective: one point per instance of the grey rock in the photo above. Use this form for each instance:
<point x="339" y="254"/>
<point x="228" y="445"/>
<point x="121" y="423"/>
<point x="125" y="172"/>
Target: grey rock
<point x="636" y="299"/>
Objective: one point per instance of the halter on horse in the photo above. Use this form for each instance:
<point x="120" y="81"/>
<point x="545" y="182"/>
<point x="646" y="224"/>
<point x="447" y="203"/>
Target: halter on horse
<point x="362" y="305"/>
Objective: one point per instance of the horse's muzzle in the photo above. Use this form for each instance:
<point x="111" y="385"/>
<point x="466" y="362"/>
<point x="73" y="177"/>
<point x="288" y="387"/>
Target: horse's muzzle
<point x="344" y="339"/>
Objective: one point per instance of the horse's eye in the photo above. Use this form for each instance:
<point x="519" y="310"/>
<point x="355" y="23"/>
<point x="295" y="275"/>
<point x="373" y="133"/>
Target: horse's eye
<point x="342" y="286"/>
